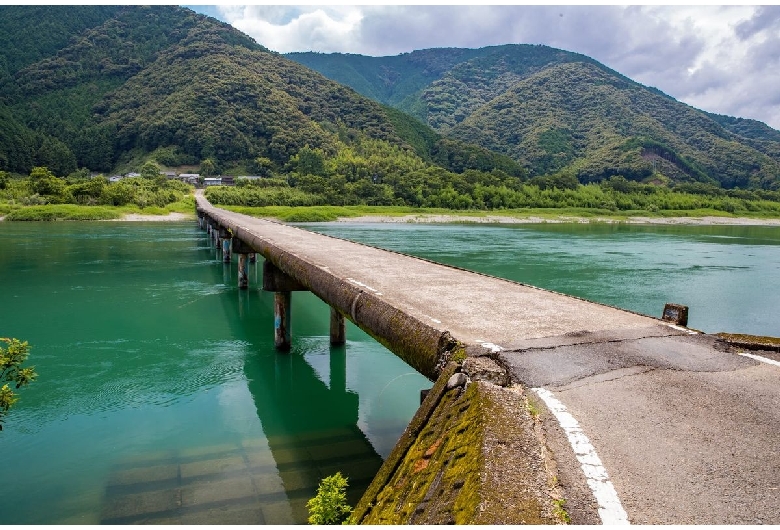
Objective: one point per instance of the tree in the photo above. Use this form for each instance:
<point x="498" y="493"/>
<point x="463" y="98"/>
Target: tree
<point x="43" y="182"/>
<point x="309" y="161"/>
<point x="262" y="166"/>
<point x="209" y="167"/>
<point x="150" y="170"/>
<point x="330" y="505"/>
<point x="11" y="359"/>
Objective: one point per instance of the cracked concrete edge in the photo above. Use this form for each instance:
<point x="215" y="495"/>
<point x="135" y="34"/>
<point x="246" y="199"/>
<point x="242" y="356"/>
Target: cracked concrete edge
<point x="750" y="342"/>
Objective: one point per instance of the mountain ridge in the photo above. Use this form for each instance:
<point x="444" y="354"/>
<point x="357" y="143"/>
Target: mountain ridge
<point x="468" y="84"/>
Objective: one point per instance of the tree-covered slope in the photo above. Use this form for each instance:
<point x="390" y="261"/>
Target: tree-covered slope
<point x="31" y="33"/>
<point x="611" y="126"/>
<point x="166" y="82"/>
<point x="553" y="110"/>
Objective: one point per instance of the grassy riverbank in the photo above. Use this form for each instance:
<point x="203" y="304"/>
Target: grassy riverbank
<point x="76" y="212"/>
<point x="386" y="214"/>
<point x="389" y="214"/>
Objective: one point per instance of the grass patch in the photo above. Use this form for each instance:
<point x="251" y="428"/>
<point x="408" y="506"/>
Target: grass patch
<point x="75" y="212"/>
<point x="560" y="512"/>
<point x="63" y="212"/>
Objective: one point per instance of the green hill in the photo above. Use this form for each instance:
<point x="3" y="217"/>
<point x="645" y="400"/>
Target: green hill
<point x="556" y="111"/>
<point x="164" y="82"/>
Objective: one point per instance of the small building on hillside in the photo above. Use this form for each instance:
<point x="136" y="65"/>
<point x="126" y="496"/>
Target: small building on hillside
<point x="212" y="181"/>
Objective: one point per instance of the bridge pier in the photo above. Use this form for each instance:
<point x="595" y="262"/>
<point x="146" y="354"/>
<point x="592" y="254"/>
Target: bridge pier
<point x="243" y="250"/>
<point x="282" y="286"/>
<point x="338" y="331"/>
<point x="243" y="278"/>
<point x="282" y="314"/>
<point x="226" y="237"/>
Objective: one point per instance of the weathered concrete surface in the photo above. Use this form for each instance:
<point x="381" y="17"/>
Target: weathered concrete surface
<point x="472" y="457"/>
<point x="684" y="426"/>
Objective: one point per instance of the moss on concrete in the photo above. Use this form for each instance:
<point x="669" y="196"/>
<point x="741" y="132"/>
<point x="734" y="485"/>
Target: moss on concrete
<point x="751" y="342"/>
<point x="476" y="460"/>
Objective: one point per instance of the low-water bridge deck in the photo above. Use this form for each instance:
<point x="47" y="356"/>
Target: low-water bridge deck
<point x="683" y="428"/>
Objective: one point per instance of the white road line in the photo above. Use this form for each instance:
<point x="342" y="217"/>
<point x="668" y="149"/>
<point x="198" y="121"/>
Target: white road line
<point x="610" y="509"/>
<point x="759" y="358"/>
<point x="363" y="285"/>
<point x="680" y="328"/>
<point x="495" y="348"/>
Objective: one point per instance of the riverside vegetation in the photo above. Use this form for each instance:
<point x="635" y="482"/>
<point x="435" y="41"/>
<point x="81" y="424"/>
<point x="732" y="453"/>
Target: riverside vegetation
<point x="12" y="357"/>
<point x="42" y="196"/>
<point x="390" y="190"/>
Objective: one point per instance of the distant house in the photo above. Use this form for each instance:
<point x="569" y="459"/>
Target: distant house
<point x="212" y="181"/>
<point x="115" y="178"/>
<point x="189" y="178"/>
<point x="133" y="175"/>
<point x="227" y="181"/>
<point x="170" y="174"/>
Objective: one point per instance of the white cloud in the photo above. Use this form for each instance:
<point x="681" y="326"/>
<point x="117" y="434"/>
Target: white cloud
<point x="289" y="28"/>
<point x="721" y="59"/>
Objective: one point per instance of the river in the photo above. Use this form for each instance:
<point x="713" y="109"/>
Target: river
<point x="160" y="398"/>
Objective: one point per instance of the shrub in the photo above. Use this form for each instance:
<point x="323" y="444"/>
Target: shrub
<point x="330" y="506"/>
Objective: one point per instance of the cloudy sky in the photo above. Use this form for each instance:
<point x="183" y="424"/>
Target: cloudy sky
<point x="723" y="59"/>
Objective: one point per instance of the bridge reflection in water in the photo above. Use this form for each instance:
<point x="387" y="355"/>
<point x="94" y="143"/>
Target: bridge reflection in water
<point x="310" y="432"/>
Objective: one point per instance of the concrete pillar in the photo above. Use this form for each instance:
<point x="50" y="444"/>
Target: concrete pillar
<point x="281" y="285"/>
<point x="226" y="250"/>
<point x="338" y="332"/>
<point x="282" y="335"/>
<point x="243" y="278"/>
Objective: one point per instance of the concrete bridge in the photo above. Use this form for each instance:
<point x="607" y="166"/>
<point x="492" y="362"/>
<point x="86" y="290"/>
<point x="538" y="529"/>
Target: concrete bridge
<point x="546" y="408"/>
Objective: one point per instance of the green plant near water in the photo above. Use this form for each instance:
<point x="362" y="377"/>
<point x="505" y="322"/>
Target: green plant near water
<point x="330" y="506"/>
<point x="11" y="359"/>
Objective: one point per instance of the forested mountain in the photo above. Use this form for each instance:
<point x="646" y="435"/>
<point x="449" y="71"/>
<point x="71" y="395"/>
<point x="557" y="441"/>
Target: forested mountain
<point x="557" y="111"/>
<point x="167" y="83"/>
<point x="109" y="88"/>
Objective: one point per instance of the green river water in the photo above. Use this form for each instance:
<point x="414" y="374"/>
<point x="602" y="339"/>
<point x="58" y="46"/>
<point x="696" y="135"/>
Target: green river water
<point x="160" y="397"/>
